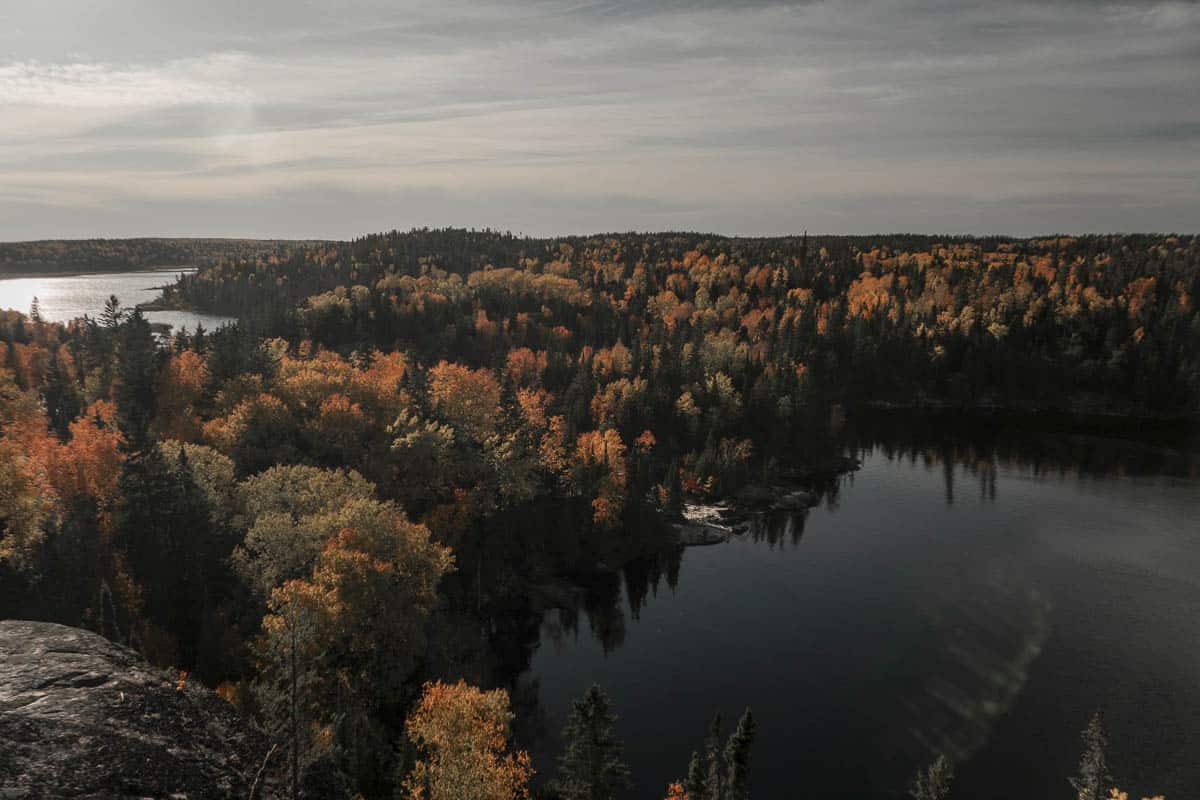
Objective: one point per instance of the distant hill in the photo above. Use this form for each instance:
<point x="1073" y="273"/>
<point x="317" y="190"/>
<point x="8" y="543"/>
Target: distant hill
<point x="52" y="256"/>
<point x="1091" y="324"/>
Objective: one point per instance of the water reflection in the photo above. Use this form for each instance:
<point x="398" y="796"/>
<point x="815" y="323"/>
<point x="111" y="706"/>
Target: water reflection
<point x="62" y="298"/>
<point x="923" y="605"/>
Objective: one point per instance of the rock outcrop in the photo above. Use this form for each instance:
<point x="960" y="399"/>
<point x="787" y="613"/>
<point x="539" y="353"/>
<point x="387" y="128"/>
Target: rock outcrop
<point x="82" y="717"/>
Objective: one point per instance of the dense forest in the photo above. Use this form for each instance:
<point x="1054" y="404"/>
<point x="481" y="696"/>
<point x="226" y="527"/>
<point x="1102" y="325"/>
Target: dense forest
<point x="1093" y="323"/>
<point x="337" y="510"/>
<point x="115" y="255"/>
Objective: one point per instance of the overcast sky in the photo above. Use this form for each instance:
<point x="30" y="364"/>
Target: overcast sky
<point x="334" y="118"/>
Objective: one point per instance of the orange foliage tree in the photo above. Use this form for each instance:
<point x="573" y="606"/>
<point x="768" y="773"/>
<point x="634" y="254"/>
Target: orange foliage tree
<point x="462" y="734"/>
<point x="469" y="399"/>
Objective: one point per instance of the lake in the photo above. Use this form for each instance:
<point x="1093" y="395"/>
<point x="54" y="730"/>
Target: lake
<point x="62" y="298"/>
<point x="946" y="597"/>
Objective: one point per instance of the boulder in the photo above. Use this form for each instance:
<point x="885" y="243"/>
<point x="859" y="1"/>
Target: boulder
<point x="83" y="717"/>
<point x="697" y="534"/>
<point x="794" y="501"/>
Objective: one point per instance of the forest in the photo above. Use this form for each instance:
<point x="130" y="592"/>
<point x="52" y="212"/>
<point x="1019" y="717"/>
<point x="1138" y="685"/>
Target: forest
<point x="337" y="503"/>
<point x="65" y="256"/>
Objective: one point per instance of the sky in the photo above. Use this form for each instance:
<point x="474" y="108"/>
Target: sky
<point x="337" y="118"/>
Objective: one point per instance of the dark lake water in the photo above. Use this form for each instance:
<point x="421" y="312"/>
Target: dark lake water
<point x="63" y="298"/>
<point x="942" y="599"/>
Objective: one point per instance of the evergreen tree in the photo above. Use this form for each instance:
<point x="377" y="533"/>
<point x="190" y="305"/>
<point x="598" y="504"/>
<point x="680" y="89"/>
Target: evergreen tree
<point x="933" y="782"/>
<point x="1093" y="780"/>
<point x="722" y="774"/>
<point x="134" y="394"/>
<point x="737" y="758"/>
<point x="714" y="769"/>
<point x="697" y="782"/>
<point x="63" y="403"/>
<point x="674" y="486"/>
<point x="35" y="311"/>
<point x="112" y="314"/>
<point x="592" y="767"/>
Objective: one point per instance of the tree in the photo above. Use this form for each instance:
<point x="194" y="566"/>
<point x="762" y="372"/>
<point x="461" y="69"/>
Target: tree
<point x="135" y="391"/>
<point x="112" y="314"/>
<point x="290" y="652"/>
<point x="26" y="507"/>
<point x="933" y="782"/>
<point x="173" y="551"/>
<point x="722" y="774"/>
<point x="675" y="791"/>
<point x="467" y="399"/>
<point x="1093" y="780"/>
<point x="351" y="589"/>
<point x="592" y="767"/>
<point x="63" y="403"/>
<point x="462" y="736"/>
<point x="737" y="758"/>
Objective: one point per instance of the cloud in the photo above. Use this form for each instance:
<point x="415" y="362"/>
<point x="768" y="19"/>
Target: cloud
<point x="736" y="116"/>
<point x="108" y="87"/>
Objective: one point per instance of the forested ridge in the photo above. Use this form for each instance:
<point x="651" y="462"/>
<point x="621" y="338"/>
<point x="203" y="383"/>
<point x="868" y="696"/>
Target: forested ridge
<point x="52" y="256"/>
<point x="337" y="510"/>
<point x="1091" y="323"/>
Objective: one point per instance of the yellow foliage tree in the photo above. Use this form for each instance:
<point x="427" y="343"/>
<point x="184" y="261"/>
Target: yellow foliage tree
<point x="462" y="734"/>
<point x="469" y="399"/>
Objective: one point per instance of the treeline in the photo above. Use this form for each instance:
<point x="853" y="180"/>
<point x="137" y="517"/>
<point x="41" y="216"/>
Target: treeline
<point x="1102" y="324"/>
<point x="300" y="509"/>
<point x="114" y="255"/>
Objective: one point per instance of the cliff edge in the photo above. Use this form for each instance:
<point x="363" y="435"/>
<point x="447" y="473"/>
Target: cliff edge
<point x="83" y="717"/>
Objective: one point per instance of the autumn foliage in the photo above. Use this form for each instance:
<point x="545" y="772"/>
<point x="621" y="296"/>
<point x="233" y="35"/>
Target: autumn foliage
<point x="462" y="735"/>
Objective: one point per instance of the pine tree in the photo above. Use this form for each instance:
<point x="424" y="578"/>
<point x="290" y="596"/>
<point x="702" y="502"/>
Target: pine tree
<point x="714" y="769"/>
<point x="674" y="486"/>
<point x="737" y="758"/>
<point x="592" y="767"/>
<point x="112" y="314"/>
<point x="722" y="774"/>
<point x="697" y="782"/>
<point x="63" y="404"/>
<point x="1093" y="780"/>
<point x="35" y="311"/>
<point x="933" y="782"/>
<point x="134" y="394"/>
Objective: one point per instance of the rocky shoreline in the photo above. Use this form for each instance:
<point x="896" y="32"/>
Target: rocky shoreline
<point x="704" y="524"/>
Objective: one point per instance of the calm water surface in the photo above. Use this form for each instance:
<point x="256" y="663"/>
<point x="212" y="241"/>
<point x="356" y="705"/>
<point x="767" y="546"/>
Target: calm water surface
<point x="63" y="298"/>
<point x="935" y="603"/>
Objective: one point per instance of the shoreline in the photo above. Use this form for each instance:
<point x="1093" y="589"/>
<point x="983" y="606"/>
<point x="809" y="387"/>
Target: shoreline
<point x="88" y="273"/>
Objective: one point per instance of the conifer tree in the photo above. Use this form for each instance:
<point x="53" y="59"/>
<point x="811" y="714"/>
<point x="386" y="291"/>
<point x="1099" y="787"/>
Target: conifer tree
<point x="696" y="784"/>
<point x="722" y="774"/>
<point x="933" y="782"/>
<point x="737" y="758"/>
<point x="1093" y="780"/>
<point x="592" y="767"/>
<point x="714" y="769"/>
<point x="112" y="314"/>
<point x="62" y="400"/>
<point x="134" y="393"/>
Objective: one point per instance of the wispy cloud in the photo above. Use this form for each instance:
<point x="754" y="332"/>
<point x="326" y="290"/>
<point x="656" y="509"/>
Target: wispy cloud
<point x="206" y="81"/>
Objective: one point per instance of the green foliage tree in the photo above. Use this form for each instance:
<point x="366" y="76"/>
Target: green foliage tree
<point x="1093" y="780"/>
<point x="722" y="773"/>
<point x="63" y="403"/>
<point x="137" y="366"/>
<point x="933" y="782"/>
<point x="592" y="766"/>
